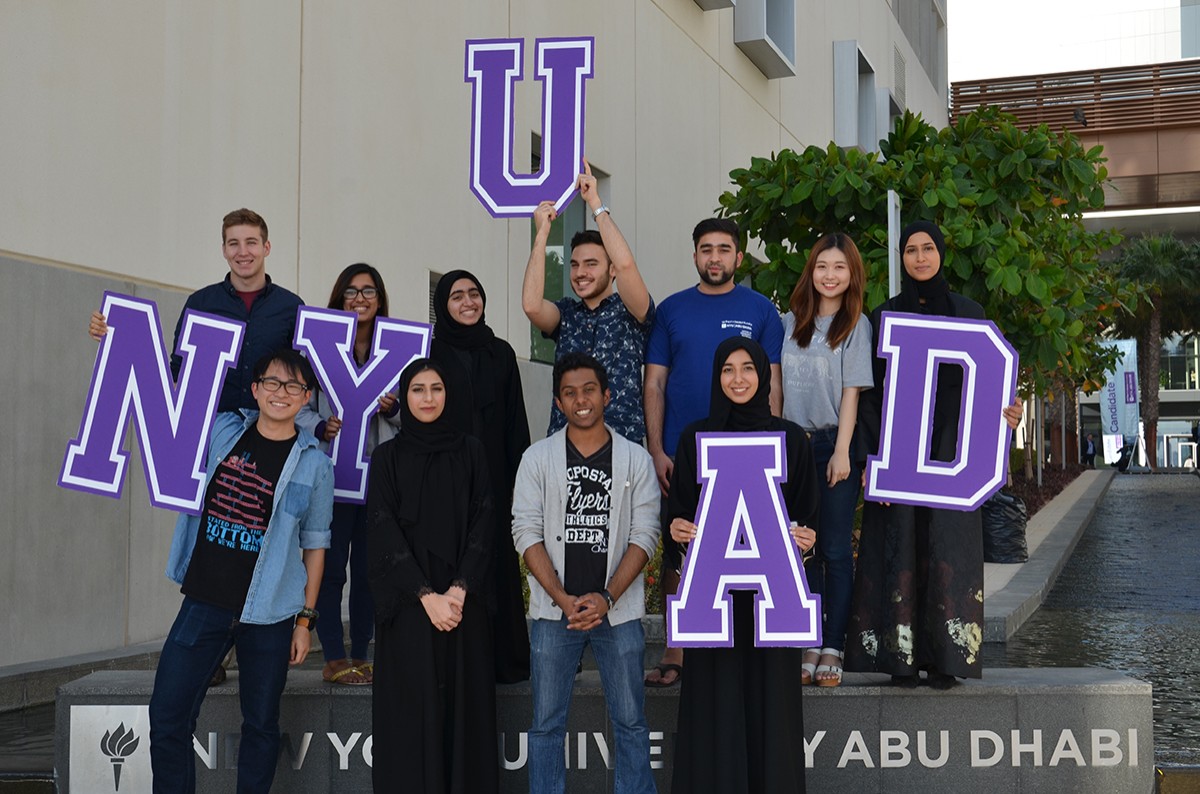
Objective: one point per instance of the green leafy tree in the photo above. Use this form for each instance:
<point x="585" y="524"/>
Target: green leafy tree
<point x="1167" y="272"/>
<point x="1010" y="202"/>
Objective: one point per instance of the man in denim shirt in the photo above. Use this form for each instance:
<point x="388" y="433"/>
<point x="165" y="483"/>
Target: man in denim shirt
<point x="611" y="326"/>
<point x="249" y="567"/>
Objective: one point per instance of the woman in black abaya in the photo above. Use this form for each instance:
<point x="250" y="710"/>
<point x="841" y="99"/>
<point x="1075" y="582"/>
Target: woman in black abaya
<point x="429" y="544"/>
<point x="484" y="400"/>
<point x="740" y="724"/>
<point x="918" y="587"/>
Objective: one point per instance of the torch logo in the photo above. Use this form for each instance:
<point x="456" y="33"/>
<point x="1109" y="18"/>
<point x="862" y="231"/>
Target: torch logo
<point x="118" y="745"/>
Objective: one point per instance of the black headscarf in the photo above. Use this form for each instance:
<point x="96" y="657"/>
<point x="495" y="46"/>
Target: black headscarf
<point x="428" y="480"/>
<point x="723" y="413"/>
<point x="467" y="356"/>
<point x="931" y="296"/>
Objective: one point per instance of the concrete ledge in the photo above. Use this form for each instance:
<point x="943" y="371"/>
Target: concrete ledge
<point x="1060" y="730"/>
<point x="1012" y="593"/>
<point x="34" y="683"/>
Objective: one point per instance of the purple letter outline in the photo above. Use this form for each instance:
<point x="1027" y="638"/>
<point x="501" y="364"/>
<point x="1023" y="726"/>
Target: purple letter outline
<point x="493" y="68"/>
<point x="327" y="338"/>
<point x="742" y="543"/>
<point x="904" y="471"/>
<point x="132" y="375"/>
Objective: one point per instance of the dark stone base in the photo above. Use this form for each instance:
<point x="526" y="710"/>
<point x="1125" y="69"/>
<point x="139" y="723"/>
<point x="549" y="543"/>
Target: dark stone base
<point x="1059" y="730"/>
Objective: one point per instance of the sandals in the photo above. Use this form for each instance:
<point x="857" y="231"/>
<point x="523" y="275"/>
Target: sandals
<point x="833" y="672"/>
<point x="663" y="669"/>
<point x="350" y="675"/>
<point x="809" y="669"/>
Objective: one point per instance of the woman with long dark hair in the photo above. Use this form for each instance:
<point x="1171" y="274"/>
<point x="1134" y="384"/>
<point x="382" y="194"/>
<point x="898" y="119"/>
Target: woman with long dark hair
<point x="429" y="540"/>
<point x="359" y="288"/>
<point x="826" y="362"/>
<point x="918" y="589"/>
<point x="484" y="400"/>
<point x="740" y="722"/>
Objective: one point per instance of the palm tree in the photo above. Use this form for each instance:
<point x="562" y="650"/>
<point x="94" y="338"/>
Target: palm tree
<point x="1165" y="269"/>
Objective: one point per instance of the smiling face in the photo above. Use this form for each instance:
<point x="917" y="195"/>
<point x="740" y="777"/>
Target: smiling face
<point x="921" y="258"/>
<point x="739" y="378"/>
<point x="591" y="271"/>
<point x="465" y="305"/>
<point x="831" y="274"/>
<point x="426" y="396"/>
<point x="581" y="399"/>
<point x="716" y="258"/>
<point x="246" y="252"/>
<point x="278" y="406"/>
<point x="365" y="308"/>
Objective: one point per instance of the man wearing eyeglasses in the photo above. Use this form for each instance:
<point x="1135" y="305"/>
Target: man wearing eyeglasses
<point x="250" y="568"/>
<point x="248" y="295"/>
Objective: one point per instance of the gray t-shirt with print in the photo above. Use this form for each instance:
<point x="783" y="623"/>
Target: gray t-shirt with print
<point x="813" y="377"/>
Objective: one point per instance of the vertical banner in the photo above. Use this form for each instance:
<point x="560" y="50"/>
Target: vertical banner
<point x="742" y="543"/>
<point x="493" y="67"/>
<point x="326" y="337"/>
<point x="1119" y="408"/>
<point x="904" y="471"/>
<point x="132" y="377"/>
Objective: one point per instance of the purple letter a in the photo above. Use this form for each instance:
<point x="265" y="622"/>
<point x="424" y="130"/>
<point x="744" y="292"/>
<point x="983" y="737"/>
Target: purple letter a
<point x="905" y="471"/>
<point x="131" y="375"/>
<point x="493" y="68"/>
<point x="742" y="543"/>
<point x="327" y="338"/>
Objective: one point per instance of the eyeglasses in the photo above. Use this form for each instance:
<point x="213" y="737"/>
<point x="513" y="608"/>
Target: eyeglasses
<point x="368" y="293"/>
<point x="292" y="387"/>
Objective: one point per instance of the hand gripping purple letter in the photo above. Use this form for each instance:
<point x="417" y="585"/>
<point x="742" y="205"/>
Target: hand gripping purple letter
<point x="493" y="68"/>
<point x="131" y="375"/>
<point x="742" y="543"/>
<point x="326" y="337"/>
<point x="904" y="470"/>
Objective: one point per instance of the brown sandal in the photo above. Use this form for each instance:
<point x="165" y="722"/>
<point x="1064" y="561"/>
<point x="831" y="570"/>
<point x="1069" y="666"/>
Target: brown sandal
<point x="347" y="676"/>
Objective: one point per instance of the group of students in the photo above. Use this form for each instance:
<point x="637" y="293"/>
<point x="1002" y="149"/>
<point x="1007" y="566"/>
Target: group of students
<point x="456" y="492"/>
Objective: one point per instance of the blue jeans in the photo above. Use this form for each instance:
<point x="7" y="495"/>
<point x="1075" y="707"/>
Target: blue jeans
<point x="348" y="543"/>
<point x="555" y="654"/>
<point x="198" y="641"/>
<point x="831" y="571"/>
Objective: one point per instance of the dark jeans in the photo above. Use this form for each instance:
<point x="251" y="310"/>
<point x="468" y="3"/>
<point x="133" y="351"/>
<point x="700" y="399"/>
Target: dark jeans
<point x="348" y="543"/>
<point x="831" y="571"/>
<point x="198" y="641"/>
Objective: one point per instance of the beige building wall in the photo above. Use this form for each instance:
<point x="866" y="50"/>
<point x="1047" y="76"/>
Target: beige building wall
<point x="130" y="128"/>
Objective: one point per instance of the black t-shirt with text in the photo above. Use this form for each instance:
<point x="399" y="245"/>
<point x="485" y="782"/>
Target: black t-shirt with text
<point x="237" y="510"/>
<point x="589" y="491"/>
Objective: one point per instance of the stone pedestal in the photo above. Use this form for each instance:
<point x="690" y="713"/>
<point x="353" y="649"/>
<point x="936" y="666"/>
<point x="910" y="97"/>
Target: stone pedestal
<point x="1053" y="730"/>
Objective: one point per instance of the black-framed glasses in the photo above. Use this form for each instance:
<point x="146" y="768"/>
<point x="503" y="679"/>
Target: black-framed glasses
<point x="292" y="387"/>
<point x="368" y="293"/>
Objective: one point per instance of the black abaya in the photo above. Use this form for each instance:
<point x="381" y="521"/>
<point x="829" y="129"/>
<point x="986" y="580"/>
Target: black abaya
<point x="741" y="728"/>
<point x="434" y="699"/>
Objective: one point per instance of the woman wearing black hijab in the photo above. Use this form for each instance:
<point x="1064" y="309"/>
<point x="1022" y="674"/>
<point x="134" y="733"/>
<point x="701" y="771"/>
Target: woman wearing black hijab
<point x="918" y="587"/>
<point x="484" y="399"/>
<point x="429" y="543"/>
<point x="740" y="723"/>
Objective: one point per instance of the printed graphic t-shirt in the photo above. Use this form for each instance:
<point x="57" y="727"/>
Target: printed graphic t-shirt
<point x="237" y="510"/>
<point x="589" y="489"/>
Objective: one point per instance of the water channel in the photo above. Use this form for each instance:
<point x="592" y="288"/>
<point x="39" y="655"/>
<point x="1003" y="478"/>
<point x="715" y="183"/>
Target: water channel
<point x="1127" y="600"/>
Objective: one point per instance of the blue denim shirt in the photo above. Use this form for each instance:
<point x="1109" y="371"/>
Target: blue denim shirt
<point x="303" y="508"/>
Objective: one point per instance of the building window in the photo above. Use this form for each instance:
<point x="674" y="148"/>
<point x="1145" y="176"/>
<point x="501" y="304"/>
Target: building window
<point x="1180" y="364"/>
<point x="765" y="30"/>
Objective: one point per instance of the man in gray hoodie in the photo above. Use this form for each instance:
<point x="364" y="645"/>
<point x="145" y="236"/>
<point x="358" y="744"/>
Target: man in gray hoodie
<point x="585" y="518"/>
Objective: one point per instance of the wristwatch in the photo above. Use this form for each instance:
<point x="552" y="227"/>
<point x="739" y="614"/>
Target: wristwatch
<point x="608" y="597"/>
<point x="307" y="618"/>
<point x="602" y="208"/>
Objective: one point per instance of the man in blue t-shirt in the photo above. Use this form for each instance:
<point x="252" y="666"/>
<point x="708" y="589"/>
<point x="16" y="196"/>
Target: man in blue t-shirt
<point x="612" y="327"/>
<point x="679" y="363"/>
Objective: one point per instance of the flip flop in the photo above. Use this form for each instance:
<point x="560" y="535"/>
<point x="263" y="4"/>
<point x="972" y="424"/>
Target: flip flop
<point x="663" y="669"/>
<point x="337" y="677"/>
<point x="367" y="669"/>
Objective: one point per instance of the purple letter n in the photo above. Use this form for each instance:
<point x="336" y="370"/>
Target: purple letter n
<point x="327" y="338"/>
<point x="493" y="68"/>
<point x="131" y="375"/>
<point x="742" y="543"/>
<point x="905" y="471"/>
